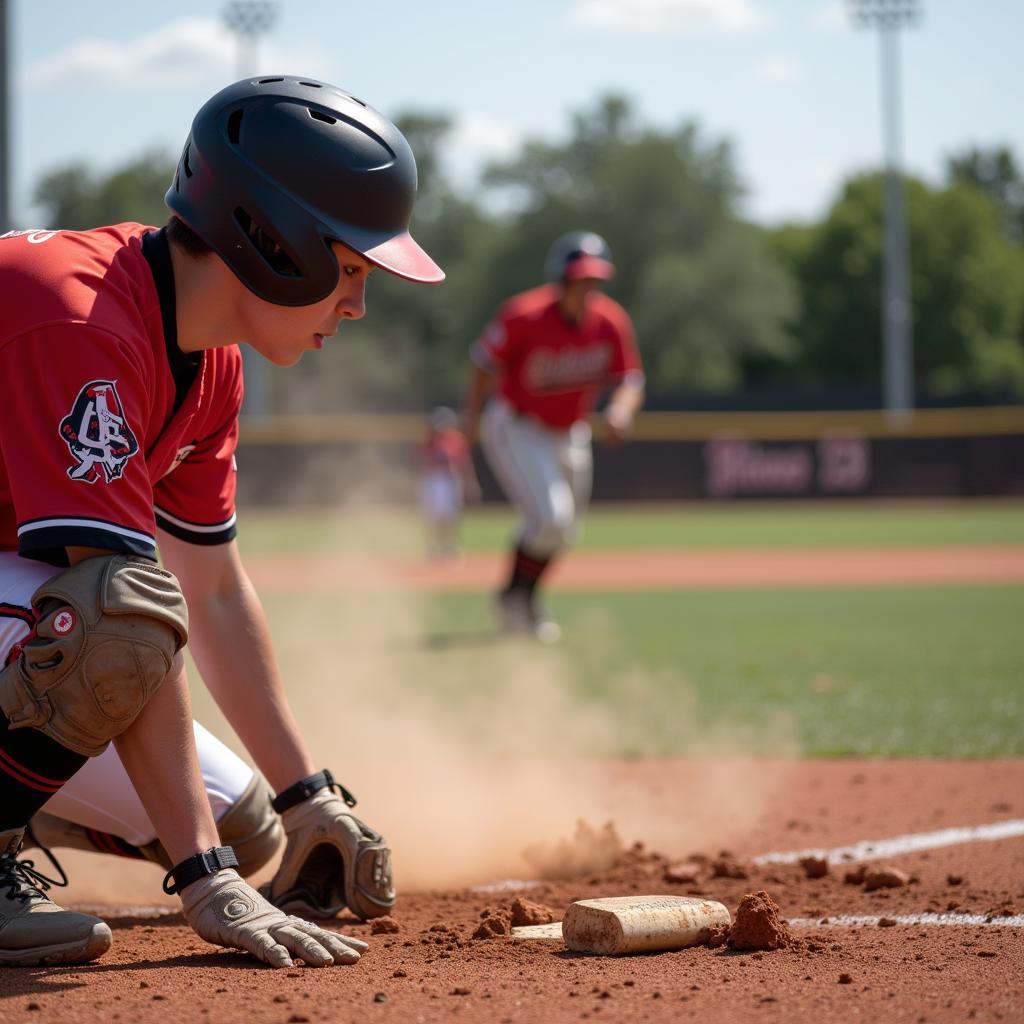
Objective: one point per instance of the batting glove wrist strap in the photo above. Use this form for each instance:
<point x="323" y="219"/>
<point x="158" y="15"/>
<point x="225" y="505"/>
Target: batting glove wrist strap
<point x="305" y="788"/>
<point x="199" y="865"/>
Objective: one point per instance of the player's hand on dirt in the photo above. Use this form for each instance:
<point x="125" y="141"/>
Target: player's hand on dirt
<point x="332" y="860"/>
<point x="226" y="911"/>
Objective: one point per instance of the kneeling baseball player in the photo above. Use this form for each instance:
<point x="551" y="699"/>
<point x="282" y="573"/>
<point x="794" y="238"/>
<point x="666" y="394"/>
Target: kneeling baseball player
<point x="119" y="430"/>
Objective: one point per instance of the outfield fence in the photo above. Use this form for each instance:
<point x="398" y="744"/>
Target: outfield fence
<point x="312" y="459"/>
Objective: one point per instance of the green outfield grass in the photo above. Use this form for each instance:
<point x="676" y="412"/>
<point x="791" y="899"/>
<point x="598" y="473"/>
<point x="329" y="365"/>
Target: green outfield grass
<point x="697" y="525"/>
<point x="903" y="672"/>
<point x="936" y="671"/>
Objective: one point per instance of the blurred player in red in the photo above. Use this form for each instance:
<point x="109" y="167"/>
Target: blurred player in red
<point x="447" y="481"/>
<point x="547" y="355"/>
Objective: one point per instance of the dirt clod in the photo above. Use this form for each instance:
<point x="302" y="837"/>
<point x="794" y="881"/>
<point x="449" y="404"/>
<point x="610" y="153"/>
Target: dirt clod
<point x="884" y="877"/>
<point x="687" y="873"/>
<point x="726" y="866"/>
<point x="493" y="923"/>
<point x="756" y="924"/>
<point x="526" y="912"/>
<point x="814" y="867"/>
<point x="384" y="926"/>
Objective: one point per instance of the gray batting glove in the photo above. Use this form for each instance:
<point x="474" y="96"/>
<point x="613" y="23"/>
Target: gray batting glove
<point x="226" y="911"/>
<point x="332" y="860"/>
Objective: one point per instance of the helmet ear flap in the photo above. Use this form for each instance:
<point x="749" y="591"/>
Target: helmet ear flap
<point x="269" y="249"/>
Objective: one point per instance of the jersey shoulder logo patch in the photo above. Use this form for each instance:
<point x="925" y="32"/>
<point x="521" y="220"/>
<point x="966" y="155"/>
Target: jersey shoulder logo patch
<point x="97" y="434"/>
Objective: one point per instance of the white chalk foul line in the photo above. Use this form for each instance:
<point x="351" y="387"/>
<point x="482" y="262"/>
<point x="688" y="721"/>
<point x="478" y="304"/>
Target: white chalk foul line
<point x="554" y="931"/>
<point x="507" y="885"/>
<point x="876" y="849"/>
<point x="852" y="921"/>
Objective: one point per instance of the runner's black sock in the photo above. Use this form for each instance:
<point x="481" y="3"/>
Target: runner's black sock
<point x="526" y="571"/>
<point x="32" y="768"/>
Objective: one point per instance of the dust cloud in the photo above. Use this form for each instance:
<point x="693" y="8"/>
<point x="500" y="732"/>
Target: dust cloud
<point x="466" y="749"/>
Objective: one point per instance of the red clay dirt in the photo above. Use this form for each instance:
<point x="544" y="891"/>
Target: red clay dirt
<point x="654" y="569"/>
<point x="432" y="969"/>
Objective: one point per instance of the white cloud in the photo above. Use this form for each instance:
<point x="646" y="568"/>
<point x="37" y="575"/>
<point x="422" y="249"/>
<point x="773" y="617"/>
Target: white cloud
<point x="831" y="16"/>
<point x="478" y="138"/>
<point x="825" y="173"/>
<point x="777" y="70"/>
<point x="675" y="16"/>
<point x="475" y="141"/>
<point x="180" y="51"/>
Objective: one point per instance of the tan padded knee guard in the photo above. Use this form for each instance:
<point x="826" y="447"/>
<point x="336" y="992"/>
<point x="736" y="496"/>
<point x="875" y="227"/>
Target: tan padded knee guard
<point x="251" y="826"/>
<point x="107" y="632"/>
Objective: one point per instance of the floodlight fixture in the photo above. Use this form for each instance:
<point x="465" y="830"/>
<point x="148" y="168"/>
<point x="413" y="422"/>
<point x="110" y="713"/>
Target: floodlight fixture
<point x="888" y="17"/>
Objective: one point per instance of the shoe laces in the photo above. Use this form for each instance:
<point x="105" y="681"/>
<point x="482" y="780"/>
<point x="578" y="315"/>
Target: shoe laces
<point x="21" y="879"/>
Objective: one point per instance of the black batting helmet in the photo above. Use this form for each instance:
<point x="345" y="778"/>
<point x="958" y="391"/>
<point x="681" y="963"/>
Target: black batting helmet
<point x="277" y="168"/>
<point x="577" y="255"/>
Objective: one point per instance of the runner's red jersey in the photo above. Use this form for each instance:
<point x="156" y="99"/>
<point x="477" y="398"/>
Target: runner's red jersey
<point x="552" y="369"/>
<point x="92" y="451"/>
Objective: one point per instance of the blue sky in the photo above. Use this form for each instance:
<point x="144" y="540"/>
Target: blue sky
<point x="789" y="82"/>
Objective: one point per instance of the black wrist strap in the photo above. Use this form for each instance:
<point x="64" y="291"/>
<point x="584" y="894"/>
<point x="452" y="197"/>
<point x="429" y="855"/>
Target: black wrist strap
<point x="305" y="788"/>
<point x="198" y="866"/>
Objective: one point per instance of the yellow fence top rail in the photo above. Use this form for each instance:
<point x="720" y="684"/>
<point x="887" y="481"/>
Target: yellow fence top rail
<point x="340" y="428"/>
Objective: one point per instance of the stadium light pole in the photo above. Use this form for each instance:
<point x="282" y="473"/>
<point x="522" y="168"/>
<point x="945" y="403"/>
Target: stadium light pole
<point x="248" y="20"/>
<point x="889" y="17"/>
<point x="5" y="134"/>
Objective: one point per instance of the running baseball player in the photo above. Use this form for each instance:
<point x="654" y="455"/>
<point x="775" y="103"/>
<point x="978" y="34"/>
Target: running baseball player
<point x="547" y="355"/>
<point x="119" y="427"/>
<point x="447" y="481"/>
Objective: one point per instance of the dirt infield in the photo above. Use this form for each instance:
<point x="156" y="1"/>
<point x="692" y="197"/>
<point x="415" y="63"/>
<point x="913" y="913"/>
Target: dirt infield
<point x="655" y="569"/>
<point x="944" y="943"/>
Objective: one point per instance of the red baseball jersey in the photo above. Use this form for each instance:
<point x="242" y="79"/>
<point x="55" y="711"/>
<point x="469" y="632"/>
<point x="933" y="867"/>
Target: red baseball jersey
<point x="94" y="448"/>
<point x="553" y="369"/>
<point x="446" y="450"/>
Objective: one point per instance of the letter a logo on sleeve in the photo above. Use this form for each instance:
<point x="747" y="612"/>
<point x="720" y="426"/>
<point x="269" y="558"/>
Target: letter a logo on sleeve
<point x="97" y="434"/>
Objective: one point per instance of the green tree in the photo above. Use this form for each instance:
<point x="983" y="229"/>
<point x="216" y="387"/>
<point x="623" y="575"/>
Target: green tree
<point x="75" y="198"/>
<point x="704" y="292"/>
<point x="967" y="291"/>
<point x="994" y="172"/>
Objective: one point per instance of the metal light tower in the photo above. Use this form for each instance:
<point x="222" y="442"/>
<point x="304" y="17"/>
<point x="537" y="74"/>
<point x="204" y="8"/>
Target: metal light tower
<point x="5" y="136"/>
<point x="889" y="16"/>
<point x="248" y="20"/>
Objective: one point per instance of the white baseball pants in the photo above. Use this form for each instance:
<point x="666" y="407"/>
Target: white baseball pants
<point x="545" y="473"/>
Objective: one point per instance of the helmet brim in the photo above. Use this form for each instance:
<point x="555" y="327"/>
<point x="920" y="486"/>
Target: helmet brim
<point x="589" y="267"/>
<point x="404" y="257"/>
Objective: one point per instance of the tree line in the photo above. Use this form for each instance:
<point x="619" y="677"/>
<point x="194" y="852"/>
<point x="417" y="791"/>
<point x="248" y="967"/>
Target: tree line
<point x="722" y="307"/>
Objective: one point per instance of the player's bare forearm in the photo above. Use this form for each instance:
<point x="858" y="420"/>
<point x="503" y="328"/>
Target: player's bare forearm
<point x="625" y="402"/>
<point x="230" y="644"/>
<point x="158" y="752"/>
<point x="477" y="389"/>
